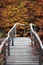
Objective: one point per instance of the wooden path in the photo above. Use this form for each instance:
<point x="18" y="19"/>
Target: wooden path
<point x="21" y="53"/>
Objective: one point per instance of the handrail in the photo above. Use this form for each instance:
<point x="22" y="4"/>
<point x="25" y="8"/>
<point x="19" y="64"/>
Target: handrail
<point x="2" y="44"/>
<point x="36" y="35"/>
<point x="14" y="26"/>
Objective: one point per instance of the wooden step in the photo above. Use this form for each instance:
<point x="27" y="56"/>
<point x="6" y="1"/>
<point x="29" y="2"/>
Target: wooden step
<point x="21" y="53"/>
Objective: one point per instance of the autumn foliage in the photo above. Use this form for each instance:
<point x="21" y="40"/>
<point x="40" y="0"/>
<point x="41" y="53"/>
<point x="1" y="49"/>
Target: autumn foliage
<point x="23" y="11"/>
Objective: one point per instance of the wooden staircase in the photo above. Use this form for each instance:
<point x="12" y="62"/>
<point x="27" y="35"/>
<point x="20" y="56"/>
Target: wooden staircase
<point x="21" y="53"/>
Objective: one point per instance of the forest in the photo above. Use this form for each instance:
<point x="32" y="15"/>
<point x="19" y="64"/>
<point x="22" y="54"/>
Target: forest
<point x="21" y="11"/>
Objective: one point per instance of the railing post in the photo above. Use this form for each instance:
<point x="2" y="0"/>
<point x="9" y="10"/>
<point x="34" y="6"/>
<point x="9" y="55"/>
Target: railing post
<point x="9" y="46"/>
<point x="12" y="40"/>
<point x="4" y="51"/>
<point x="15" y="31"/>
<point x="35" y="41"/>
<point x="40" y="54"/>
<point x="24" y="30"/>
<point x="32" y="38"/>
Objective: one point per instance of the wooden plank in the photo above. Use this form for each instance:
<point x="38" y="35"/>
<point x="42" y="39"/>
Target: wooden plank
<point x="21" y="53"/>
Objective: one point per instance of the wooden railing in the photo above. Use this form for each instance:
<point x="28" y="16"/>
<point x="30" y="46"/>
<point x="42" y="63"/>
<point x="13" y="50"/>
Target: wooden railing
<point x="11" y="34"/>
<point x="36" y="39"/>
